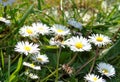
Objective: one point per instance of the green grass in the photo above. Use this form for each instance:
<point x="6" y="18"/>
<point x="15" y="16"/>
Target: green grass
<point x="49" y="12"/>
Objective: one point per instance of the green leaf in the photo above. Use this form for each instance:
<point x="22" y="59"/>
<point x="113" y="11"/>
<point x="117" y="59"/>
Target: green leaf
<point x="14" y="74"/>
<point x="113" y="51"/>
<point x="22" y="20"/>
<point x="40" y="2"/>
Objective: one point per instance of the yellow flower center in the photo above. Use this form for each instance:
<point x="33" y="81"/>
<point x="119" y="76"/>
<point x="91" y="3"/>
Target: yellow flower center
<point x="79" y="45"/>
<point x="29" y="31"/>
<point x="4" y="0"/>
<point x="40" y="28"/>
<point x="99" y="39"/>
<point x="32" y="65"/>
<point x="95" y="79"/>
<point x="1" y="17"/>
<point x="59" y="30"/>
<point x="39" y="59"/>
<point x="105" y="71"/>
<point x="27" y="48"/>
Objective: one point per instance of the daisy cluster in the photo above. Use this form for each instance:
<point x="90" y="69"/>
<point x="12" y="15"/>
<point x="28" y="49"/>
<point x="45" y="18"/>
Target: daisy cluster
<point x="59" y="35"/>
<point x="32" y="50"/>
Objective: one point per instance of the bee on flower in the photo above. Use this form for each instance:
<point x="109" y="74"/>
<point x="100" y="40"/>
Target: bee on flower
<point x="106" y="69"/>
<point x="58" y="41"/>
<point x="26" y="48"/>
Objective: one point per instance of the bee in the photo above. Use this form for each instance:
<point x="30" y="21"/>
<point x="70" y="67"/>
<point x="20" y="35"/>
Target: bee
<point x="59" y="38"/>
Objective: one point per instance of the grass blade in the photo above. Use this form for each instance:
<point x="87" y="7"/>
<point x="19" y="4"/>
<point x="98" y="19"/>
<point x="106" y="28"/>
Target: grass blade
<point x="2" y="59"/>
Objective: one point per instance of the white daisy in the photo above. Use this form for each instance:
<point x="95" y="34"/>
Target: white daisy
<point x="78" y="44"/>
<point x="40" y="58"/>
<point x="99" y="40"/>
<point x="7" y="22"/>
<point x="31" y="65"/>
<point x="106" y="69"/>
<point x="28" y="31"/>
<point x="41" y="28"/>
<point x="31" y="75"/>
<point x="6" y="2"/>
<point x="60" y="30"/>
<point x="93" y="78"/>
<point x="74" y="23"/>
<point x="26" y="48"/>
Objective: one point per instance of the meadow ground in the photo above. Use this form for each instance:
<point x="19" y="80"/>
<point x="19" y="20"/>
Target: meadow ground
<point x="59" y="40"/>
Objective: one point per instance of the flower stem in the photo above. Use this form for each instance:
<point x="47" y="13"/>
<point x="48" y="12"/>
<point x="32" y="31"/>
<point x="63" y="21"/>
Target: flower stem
<point x="4" y="14"/>
<point x="50" y="75"/>
<point x="72" y="59"/>
<point x="58" y="58"/>
<point x="91" y="69"/>
<point x="8" y="68"/>
<point x="84" y="65"/>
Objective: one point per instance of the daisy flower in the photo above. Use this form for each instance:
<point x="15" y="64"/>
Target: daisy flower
<point x="106" y="69"/>
<point x="41" y="28"/>
<point x="99" y="40"/>
<point x="31" y="65"/>
<point x="78" y="44"/>
<point x="4" y="20"/>
<point x="31" y="75"/>
<point x="93" y="78"/>
<point x="60" y="30"/>
<point x="6" y="2"/>
<point x="40" y="58"/>
<point x="28" y="31"/>
<point x="26" y="48"/>
<point x="74" y="23"/>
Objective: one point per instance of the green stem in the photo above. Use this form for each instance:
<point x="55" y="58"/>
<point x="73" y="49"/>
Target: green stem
<point x="61" y="4"/>
<point x="2" y="59"/>
<point x="72" y="59"/>
<point x="91" y="69"/>
<point x="4" y="14"/>
<point x="8" y="68"/>
<point x="58" y="58"/>
<point x="15" y="58"/>
<point x="50" y="75"/>
<point x="39" y="4"/>
<point x="81" y="67"/>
